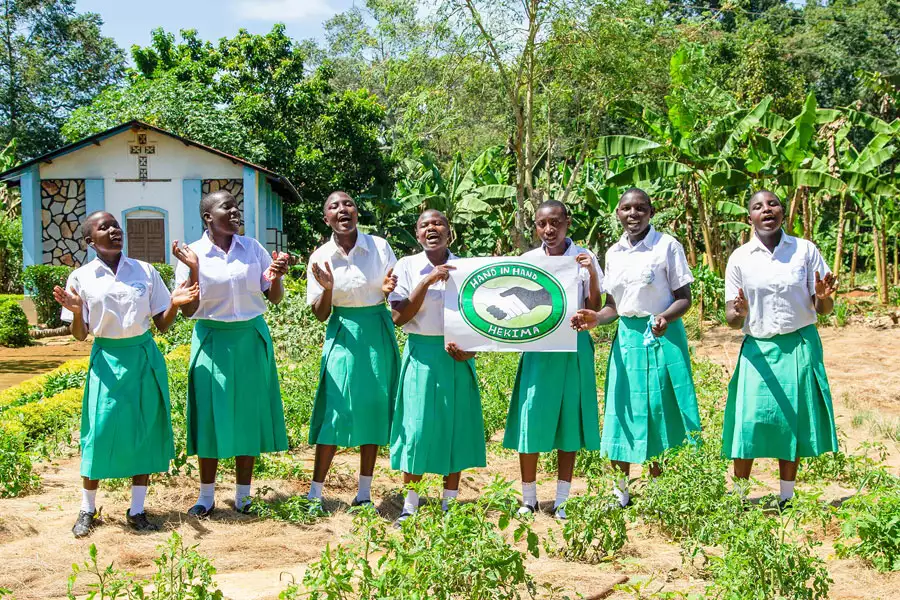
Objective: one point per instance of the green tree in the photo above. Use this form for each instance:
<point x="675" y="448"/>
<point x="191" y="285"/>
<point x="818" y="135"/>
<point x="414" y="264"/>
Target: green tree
<point x="52" y="61"/>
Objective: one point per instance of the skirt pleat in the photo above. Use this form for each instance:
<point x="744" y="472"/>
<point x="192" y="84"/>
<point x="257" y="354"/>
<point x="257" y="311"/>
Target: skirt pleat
<point x="651" y="404"/>
<point x="779" y="401"/>
<point x="357" y="379"/>
<point x="234" y="398"/>
<point x="554" y="402"/>
<point x="438" y="425"/>
<point x="126" y="428"/>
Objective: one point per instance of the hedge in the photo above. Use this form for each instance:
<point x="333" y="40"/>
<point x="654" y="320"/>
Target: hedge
<point x="13" y="325"/>
<point x="167" y="272"/>
<point x="40" y="280"/>
<point x="36" y="384"/>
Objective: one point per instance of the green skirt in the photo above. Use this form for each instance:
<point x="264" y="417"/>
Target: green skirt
<point x="234" y="399"/>
<point x="650" y="400"/>
<point x="437" y="426"/>
<point x="126" y="429"/>
<point x="554" y="402"/>
<point x="779" y="401"/>
<point x="357" y="379"/>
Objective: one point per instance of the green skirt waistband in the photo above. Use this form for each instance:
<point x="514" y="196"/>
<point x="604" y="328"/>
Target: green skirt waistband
<point x="434" y="340"/>
<point x="637" y="323"/>
<point x="136" y="340"/>
<point x="349" y="311"/>
<point x="807" y="332"/>
<point x="230" y="324"/>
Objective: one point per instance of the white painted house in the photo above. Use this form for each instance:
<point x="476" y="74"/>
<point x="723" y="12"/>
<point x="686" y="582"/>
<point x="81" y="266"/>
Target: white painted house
<point x="152" y="181"/>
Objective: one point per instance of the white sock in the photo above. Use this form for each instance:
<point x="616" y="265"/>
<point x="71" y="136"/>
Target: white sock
<point x="315" y="490"/>
<point x="241" y="495"/>
<point x="364" y="491"/>
<point x="138" y="494"/>
<point x="529" y="493"/>
<point x="787" y="489"/>
<point x="88" y="500"/>
<point x="621" y="491"/>
<point x="411" y="503"/>
<point x="207" y="495"/>
<point x="448" y="495"/>
<point x="741" y="487"/>
<point x="562" y="492"/>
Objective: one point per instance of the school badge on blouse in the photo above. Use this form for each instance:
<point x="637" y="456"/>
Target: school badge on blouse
<point x="647" y="276"/>
<point x="139" y="288"/>
<point x="512" y="302"/>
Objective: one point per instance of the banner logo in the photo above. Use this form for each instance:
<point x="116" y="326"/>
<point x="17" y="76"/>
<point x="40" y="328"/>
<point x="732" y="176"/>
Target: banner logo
<point x="512" y="302"/>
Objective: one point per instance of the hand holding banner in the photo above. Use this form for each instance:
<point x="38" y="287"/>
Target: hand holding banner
<point x="512" y="304"/>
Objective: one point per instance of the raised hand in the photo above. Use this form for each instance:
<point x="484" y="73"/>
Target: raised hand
<point x="324" y="276"/>
<point x="279" y="267"/>
<point x="185" y="294"/>
<point x="585" y="319"/>
<point x="584" y="260"/>
<point x="458" y="354"/>
<point x="439" y="273"/>
<point x="740" y="304"/>
<point x="390" y="282"/>
<point x="183" y="253"/>
<point x="70" y="300"/>
<point x="825" y="288"/>
<point x="660" y="324"/>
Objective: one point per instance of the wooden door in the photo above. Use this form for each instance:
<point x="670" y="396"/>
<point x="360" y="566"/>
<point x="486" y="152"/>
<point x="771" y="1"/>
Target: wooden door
<point x="147" y="239"/>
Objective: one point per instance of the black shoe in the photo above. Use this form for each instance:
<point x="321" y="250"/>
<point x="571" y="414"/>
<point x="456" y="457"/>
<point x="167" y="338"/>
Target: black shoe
<point x="247" y="509"/>
<point x="139" y="521"/>
<point x="528" y="509"/>
<point x="358" y="502"/>
<point x="200" y="511"/>
<point x="403" y="516"/>
<point x="783" y="505"/>
<point x="85" y="523"/>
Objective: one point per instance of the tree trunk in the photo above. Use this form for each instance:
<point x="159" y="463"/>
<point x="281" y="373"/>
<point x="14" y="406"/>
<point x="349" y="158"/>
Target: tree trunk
<point x="880" y="271"/>
<point x="689" y="231"/>
<point x="529" y="129"/>
<point x="839" y="245"/>
<point x="807" y="215"/>
<point x="885" y="287"/>
<point x="855" y="255"/>
<point x="792" y="213"/>
<point x="896" y="264"/>
<point x="708" y="241"/>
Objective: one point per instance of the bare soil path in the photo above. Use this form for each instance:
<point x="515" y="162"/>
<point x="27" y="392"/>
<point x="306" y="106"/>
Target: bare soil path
<point x="37" y="548"/>
<point x="19" y="364"/>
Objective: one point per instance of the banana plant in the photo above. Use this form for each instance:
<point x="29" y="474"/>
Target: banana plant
<point x="9" y="204"/>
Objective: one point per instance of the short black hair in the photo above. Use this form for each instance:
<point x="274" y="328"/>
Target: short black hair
<point x="433" y="211"/>
<point x="763" y="193"/>
<point x="337" y="194"/>
<point x="211" y="199"/>
<point x="87" y="225"/>
<point x="635" y="191"/>
<point x="553" y="204"/>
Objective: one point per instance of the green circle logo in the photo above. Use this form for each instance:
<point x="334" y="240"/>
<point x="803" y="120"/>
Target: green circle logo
<point x="512" y="302"/>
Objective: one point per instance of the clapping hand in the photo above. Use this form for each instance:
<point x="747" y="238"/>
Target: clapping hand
<point x="740" y="304"/>
<point x="457" y="354"/>
<point x="184" y="253"/>
<point x="585" y="319"/>
<point x="584" y="260"/>
<point x="279" y="266"/>
<point x="390" y="282"/>
<point x="70" y="300"/>
<point x="825" y="288"/>
<point x="185" y="294"/>
<point x="324" y="277"/>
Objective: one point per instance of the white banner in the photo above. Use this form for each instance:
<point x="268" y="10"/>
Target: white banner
<point x="512" y="304"/>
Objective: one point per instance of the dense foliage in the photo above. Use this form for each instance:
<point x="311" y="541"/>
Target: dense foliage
<point x="13" y="325"/>
<point x="40" y="281"/>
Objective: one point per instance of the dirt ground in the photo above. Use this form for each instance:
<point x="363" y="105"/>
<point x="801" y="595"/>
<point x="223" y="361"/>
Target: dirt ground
<point x="255" y="559"/>
<point x="19" y="364"/>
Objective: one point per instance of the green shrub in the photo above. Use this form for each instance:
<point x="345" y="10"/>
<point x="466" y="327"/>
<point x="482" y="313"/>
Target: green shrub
<point x="40" y="281"/>
<point x="10" y="254"/>
<point x="874" y="519"/>
<point x="167" y="273"/>
<point x="16" y="477"/>
<point x="595" y="528"/>
<point x="294" y="509"/>
<point x="13" y="325"/>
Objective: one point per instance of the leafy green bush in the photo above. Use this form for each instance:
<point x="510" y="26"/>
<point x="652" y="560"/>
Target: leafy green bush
<point x="294" y="509"/>
<point x="167" y="273"/>
<point x="595" y="528"/>
<point x="16" y="477"/>
<point x="178" y="334"/>
<point x="40" y="281"/>
<point x="13" y="325"/>
<point x="10" y="254"/>
<point x="874" y="519"/>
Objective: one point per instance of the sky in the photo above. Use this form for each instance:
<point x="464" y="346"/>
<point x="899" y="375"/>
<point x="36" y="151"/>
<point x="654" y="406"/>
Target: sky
<point x="130" y="22"/>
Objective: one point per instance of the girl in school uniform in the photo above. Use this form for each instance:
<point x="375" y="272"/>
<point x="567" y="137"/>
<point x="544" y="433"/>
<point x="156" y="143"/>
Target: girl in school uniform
<point x="437" y="425"/>
<point x="779" y="401"/>
<point x="347" y="281"/>
<point x="125" y="426"/>
<point x="234" y="400"/>
<point x="554" y="399"/>
<point x="648" y="288"/>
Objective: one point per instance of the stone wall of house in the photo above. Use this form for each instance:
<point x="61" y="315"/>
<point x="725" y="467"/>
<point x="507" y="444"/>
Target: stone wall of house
<point x="234" y="186"/>
<point x="62" y="210"/>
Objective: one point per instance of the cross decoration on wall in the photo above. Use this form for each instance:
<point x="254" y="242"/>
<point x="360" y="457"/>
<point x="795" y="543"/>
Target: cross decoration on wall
<point x="142" y="149"/>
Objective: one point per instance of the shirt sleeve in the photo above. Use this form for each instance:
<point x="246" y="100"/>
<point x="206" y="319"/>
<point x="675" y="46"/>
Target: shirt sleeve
<point x="677" y="269"/>
<point x="160" y="298"/>
<point x="404" y="281"/>
<point x="265" y="259"/>
<point x="390" y="259"/>
<point x="815" y="263"/>
<point x="733" y="281"/>
<point x="586" y="275"/>
<point x="313" y="290"/>
<point x="66" y="314"/>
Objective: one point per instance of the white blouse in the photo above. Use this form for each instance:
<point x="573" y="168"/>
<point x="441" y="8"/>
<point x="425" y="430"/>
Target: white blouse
<point x="410" y="271"/>
<point x="118" y="305"/>
<point x="642" y="278"/>
<point x="232" y="285"/>
<point x="779" y="286"/>
<point x="358" y="274"/>
<point x="573" y="250"/>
